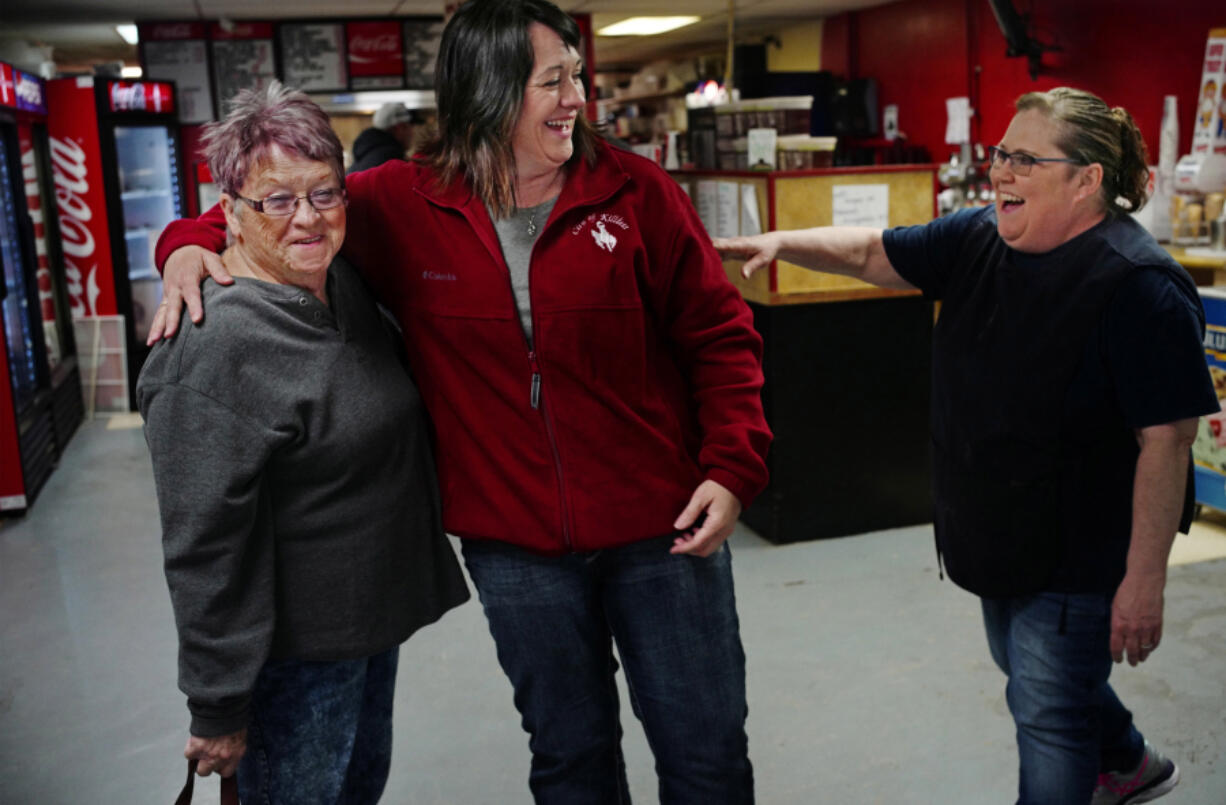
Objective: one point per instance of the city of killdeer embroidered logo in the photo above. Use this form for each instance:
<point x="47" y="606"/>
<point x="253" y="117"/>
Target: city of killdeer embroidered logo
<point x="599" y="224"/>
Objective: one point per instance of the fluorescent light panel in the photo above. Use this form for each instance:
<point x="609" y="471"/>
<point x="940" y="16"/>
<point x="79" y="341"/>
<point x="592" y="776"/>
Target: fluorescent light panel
<point x="128" y="32"/>
<point x="645" y="26"/>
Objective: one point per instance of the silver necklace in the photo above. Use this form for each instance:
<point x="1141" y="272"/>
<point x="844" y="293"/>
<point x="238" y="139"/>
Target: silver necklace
<point x="532" y="224"/>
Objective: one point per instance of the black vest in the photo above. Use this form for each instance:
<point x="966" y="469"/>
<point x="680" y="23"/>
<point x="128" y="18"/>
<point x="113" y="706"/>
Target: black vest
<point x="1006" y="348"/>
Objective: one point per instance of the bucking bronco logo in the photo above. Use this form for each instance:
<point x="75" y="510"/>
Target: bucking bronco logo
<point x="604" y="239"/>
<point x="600" y="234"/>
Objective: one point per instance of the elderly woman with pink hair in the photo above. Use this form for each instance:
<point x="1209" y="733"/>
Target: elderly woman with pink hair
<point x="300" y="513"/>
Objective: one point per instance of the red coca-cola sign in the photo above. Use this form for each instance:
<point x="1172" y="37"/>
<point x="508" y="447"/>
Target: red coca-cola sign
<point x="171" y="31"/>
<point x="76" y="164"/>
<point x="141" y="96"/>
<point x="375" y="49"/>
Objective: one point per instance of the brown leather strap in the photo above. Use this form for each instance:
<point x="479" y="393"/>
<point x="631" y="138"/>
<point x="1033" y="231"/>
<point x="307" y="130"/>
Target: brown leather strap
<point x="229" y="787"/>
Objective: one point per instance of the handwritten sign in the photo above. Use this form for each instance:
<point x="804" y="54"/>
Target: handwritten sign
<point x="313" y="57"/>
<point x="185" y="63"/>
<point x="861" y="205"/>
<point x="421" y="41"/>
<point x="241" y="64"/>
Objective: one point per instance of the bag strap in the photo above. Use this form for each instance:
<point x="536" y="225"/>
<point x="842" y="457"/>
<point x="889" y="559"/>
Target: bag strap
<point x="229" y="787"/>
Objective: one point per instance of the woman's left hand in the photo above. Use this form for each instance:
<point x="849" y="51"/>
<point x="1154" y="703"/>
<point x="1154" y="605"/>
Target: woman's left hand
<point x="220" y="754"/>
<point x="722" y="509"/>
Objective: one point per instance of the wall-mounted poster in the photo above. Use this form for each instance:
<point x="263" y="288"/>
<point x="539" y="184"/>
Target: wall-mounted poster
<point x="376" y="55"/>
<point x="313" y="57"/>
<point x="421" y="41"/>
<point x="177" y="51"/>
<point x="242" y="58"/>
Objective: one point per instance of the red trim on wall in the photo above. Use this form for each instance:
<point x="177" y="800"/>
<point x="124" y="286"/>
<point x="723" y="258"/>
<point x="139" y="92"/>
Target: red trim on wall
<point x="1129" y="52"/>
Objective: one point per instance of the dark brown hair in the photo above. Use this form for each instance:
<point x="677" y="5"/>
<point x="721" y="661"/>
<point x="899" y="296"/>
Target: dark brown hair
<point x="484" y="62"/>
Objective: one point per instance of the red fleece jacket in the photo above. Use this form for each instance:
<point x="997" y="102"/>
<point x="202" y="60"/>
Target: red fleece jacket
<point x="645" y="376"/>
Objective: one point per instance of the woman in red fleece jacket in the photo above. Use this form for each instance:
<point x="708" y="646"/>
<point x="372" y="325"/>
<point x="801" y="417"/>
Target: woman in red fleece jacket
<point x="594" y="381"/>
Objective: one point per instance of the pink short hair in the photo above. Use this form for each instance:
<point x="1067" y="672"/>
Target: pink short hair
<point x="261" y="118"/>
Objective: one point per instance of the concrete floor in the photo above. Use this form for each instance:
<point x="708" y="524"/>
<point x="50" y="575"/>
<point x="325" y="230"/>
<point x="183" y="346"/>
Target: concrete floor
<point x="869" y="680"/>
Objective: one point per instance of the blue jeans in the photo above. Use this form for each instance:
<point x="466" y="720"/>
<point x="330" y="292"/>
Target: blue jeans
<point x="320" y="732"/>
<point x="1070" y="725"/>
<point x="554" y="621"/>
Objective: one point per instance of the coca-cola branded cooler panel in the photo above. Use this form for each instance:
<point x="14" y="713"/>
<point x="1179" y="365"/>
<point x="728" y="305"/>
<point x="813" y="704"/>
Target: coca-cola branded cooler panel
<point x="376" y="54"/>
<point x="76" y="161"/>
<point x="31" y="166"/>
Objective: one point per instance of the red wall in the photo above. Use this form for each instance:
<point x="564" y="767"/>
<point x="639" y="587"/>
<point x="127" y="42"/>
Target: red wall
<point x="1129" y="52"/>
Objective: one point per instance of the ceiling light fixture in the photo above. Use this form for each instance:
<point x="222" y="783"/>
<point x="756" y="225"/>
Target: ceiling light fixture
<point x="645" y="26"/>
<point x="131" y="72"/>
<point x="128" y="32"/>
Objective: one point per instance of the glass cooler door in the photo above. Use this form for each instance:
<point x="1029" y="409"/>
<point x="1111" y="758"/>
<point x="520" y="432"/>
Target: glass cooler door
<point x="149" y="190"/>
<point x="16" y="305"/>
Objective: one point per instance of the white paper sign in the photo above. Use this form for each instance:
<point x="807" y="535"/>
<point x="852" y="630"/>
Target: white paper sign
<point x="761" y="147"/>
<point x="728" y="211"/>
<point x="186" y="64"/>
<point x="958" y="127"/>
<point x="861" y="205"/>
<point x="751" y="221"/>
<point x="706" y="201"/>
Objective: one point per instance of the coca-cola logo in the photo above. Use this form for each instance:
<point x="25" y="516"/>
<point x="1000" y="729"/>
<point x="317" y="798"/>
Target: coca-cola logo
<point x="29" y="90"/>
<point x="182" y="30"/>
<point x="383" y="43"/>
<point x="69" y="166"/>
<point x="128" y="96"/>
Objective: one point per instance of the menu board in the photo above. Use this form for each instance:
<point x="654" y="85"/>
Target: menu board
<point x="421" y="42"/>
<point x="376" y="54"/>
<point x="313" y="57"/>
<point x="242" y="58"/>
<point x="178" y="52"/>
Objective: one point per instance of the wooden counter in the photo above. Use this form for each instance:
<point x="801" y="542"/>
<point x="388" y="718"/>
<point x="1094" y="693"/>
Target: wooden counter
<point x="803" y="199"/>
<point x="847" y="368"/>
<point x="1205" y="270"/>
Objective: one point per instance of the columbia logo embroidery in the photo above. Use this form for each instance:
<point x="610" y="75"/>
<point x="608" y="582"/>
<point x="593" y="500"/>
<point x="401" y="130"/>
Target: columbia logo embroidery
<point x="596" y="225"/>
<point x="438" y="275"/>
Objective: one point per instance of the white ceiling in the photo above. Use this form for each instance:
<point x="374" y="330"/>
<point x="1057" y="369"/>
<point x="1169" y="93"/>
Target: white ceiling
<point x="81" y="31"/>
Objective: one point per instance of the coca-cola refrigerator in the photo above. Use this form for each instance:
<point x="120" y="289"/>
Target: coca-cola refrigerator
<point x="119" y="183"/>
<point x="40" y="390"/>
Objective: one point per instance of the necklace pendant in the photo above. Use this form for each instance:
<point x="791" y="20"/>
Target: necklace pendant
<point x="532" y="226"/>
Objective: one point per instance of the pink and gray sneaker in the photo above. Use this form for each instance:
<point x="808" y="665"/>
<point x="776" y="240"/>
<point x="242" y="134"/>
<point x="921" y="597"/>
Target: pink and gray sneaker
<point x="1156" y="775"/>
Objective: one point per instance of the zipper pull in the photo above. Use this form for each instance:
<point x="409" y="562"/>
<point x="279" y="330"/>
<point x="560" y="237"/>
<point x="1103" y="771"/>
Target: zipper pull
<point x="536" y="382"/>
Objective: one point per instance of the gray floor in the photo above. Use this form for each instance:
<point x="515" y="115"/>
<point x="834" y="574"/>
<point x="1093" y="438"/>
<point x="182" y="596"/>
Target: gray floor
<point x="869" y="681"/>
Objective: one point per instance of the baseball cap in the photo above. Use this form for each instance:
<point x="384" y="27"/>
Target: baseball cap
<point x="389" y="114"/>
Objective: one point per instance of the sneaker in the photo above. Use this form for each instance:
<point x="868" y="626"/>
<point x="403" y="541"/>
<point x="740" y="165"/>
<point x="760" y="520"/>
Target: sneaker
<point x="1156" y="775"/>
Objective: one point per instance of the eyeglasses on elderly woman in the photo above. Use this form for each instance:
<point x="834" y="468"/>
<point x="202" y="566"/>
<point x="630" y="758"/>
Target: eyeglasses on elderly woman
<point x="283" y="204"/>
<point x="1022" y="164"/>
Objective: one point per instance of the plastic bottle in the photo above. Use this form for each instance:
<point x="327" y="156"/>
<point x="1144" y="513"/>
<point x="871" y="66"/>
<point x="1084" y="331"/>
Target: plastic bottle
<point x="1168" y="155"/>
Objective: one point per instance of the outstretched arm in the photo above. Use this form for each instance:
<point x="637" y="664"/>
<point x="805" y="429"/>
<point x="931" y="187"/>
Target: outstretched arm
<point x="849" y="250"/>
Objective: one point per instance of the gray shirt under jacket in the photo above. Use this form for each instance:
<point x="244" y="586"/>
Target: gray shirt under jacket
<point x="299" y="506"/>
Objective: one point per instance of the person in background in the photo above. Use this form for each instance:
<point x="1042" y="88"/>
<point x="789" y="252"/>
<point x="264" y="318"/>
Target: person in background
<point x="1068" y="375"/>
<point x="390" y="136"/>
<point x="300" y="517"/>
<point x="594" y="381"/>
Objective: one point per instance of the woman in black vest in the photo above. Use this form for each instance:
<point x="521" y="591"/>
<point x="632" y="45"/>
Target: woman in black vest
<point x="1068" y="375"/>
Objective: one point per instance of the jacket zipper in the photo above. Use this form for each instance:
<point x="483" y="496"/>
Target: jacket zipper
<point x="563" y="500"/>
